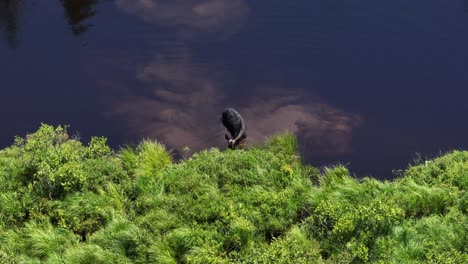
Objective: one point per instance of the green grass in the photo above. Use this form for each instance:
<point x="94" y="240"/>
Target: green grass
<point x="62" y="201"/>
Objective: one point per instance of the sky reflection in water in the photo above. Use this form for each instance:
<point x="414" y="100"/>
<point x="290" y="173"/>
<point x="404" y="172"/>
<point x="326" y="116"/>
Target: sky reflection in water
<point x="365" y="83"/>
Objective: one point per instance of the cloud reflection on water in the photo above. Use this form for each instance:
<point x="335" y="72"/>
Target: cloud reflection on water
<point x="321" y="127"/>
<point x="179" y="101"/>
<point x="176" y="105"/>
<point x="182" y="105"/>
<point x="198" y="15"/>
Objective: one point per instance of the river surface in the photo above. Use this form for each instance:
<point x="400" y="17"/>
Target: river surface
<point x="368" y="83"/>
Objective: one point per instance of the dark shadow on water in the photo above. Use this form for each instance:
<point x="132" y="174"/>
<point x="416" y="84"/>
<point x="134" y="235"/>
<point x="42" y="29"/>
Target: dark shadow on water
<point x="10" y="11"/>
<point x="78" y="13"/>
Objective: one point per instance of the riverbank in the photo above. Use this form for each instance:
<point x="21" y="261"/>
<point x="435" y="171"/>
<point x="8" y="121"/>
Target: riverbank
<point x="63" y="201"/>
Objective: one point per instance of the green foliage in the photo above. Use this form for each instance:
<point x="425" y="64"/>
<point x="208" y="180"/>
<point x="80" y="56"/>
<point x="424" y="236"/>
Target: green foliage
<point x="120" y="237"/>
<point x="145" y="164"/>
<point x="97" y="147"/>
<point x="65" y="202"/>
<point x="37" y="240"/>
<point x="430" y="239"/>
<point x="85" y="213"/>
<point x="148" y="159"/>
<point x="450" y="169"/>
<point x="293" y="247"/>
<point x="284" y="146"/>
<point x="91" y="254"/>
<point x="348" y="216"/>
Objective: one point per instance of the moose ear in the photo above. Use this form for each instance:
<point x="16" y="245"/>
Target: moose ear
<point x="227" y="137"/>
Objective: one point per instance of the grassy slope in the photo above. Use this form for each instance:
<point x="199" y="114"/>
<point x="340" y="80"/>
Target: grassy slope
<point x="61" y="201"/>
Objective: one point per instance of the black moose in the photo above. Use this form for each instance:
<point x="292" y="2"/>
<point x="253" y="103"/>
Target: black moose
<point x="235" y="124"/>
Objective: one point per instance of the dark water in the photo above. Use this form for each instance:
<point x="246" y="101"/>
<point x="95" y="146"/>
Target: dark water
<point x="366" y="83"/>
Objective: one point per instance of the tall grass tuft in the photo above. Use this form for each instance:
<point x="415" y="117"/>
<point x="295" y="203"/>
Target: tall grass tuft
<point x="42" y="240"/>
